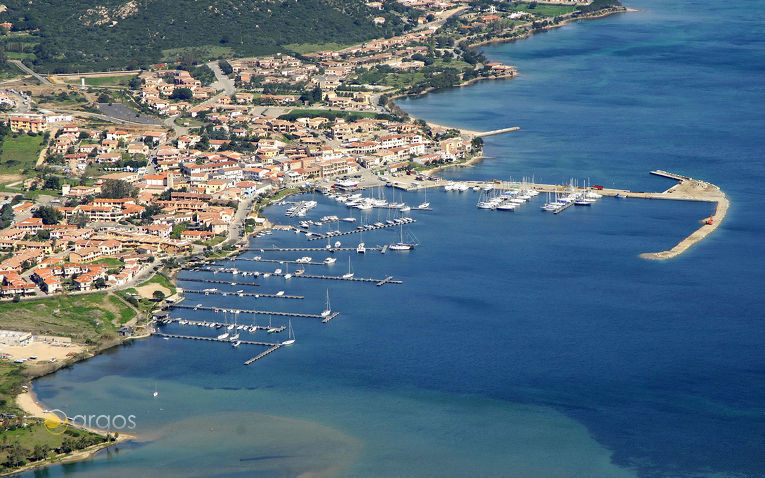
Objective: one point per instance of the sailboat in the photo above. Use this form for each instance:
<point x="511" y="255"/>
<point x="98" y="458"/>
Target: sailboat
<point x="328" y="310"/>
<point x="349" y="274"/>
<point x="291" y="337"/>
<point x="425" y="204"/>
<point x="271" y="329"/>
<point x="401" y="245"/>
<point x="156" y="393"/>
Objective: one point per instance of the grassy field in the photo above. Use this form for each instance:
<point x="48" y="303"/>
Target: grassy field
<point x="84" y="318"/>
<point x="109" y="262"/>
<point x="116" y="80"/>
<point x="544" y="10"/>
<point x="19" y="153"/>
<point x="161" y="280"/>
<point x="11" y="380"/>
<point x="204" y="52"/>
<point x="36" y="439"/>
<point x="304" y="48"/>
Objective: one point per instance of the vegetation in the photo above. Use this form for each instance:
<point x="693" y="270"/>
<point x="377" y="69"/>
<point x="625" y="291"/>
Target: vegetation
<point x="98" y="34"/>
<point x="333" y="114"/>
<point x="21" y="444"/>
<point x="19" y="152"/>
<point x="85" y="318"/>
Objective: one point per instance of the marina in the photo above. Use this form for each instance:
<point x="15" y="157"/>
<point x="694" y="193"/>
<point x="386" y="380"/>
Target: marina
<point x="388" y="280"/>
<point x="251" y="311"/>
<point x="361" y="229"/>
<point x="240" y="294"/>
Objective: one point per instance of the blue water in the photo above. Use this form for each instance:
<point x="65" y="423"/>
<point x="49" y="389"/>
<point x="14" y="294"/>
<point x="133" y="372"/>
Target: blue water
<point x="520" y="344"/>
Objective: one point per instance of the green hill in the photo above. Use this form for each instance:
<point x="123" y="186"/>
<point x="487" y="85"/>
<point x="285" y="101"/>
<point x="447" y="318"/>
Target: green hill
<point x="72" y="35"/>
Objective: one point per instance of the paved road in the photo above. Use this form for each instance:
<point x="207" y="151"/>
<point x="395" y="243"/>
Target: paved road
<point x="28" y="70"/>
<point x="223" y="82"/>
<point x="236" y="227"/>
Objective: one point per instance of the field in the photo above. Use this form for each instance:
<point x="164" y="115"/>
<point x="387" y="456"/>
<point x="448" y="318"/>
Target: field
<point x="304" y="48"/>
<point x="35" y="439"/>
<point x="19" y="153"/>
<point x="204" y="52"/>
<point x="545" y="10"/>
<point x="84" y="318"/>
<point x="115" y="80"/>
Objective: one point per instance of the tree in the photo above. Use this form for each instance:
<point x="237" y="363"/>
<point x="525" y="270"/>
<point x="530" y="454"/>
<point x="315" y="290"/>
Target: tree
<point x="158" y="296"/>
<point x="182" y="94"/>
<point x="52" y="182"/>
<point x="48" y="214"/>
<point x="99" y="283"/>
<point x="116" y="189"/>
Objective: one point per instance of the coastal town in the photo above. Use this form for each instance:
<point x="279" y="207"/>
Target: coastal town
<point x="126" y="174"/>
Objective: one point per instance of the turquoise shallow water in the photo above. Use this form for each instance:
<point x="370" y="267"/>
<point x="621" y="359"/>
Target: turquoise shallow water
<point x="520" y="344"/>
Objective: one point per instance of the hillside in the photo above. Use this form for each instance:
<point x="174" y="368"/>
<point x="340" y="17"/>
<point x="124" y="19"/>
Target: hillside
<point x="82" y="35"/>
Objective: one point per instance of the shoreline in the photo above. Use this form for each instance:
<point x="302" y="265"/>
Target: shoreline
<point x="28" y="402"/>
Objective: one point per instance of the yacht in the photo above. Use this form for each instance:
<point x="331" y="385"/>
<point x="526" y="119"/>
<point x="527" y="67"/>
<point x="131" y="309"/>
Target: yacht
<point x="361" y="248"/>
<point x="223" y="336"/>
<point x="349" y="274"/>
<point x="330" y="260"/>
<point x="290" y="337"/>
<point x="349" y="219"/>
<point x="326" y="312"/>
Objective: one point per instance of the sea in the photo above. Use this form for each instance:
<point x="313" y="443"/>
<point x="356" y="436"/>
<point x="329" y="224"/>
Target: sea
<point x="520" y="344"/>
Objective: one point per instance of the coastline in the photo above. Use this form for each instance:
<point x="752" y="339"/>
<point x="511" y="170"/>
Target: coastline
<point x="28" y="402"/>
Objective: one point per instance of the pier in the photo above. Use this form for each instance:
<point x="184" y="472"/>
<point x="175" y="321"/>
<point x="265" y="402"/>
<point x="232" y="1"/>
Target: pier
<point x="497" y="131"/>
<point x="240" y="294"/>
<point x="356" y="231"/>
<point x="206" y="323"/>
<point x="250" y="311"/>
<point x="218" y="281"/>
<point x="388" y="280"/>
<point x="304" y="249"/>
<point x="263" y="354"/>
<point x="271" y="346"/>
<point x="283" y="261"/>
<point x="213" y="339"/>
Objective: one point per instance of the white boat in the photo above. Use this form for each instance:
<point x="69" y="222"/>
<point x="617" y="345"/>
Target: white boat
<point x="278" y="271"/>
<point x="349" y="274"/>
<point x="406" y="209"/>
<point x="288" y="276"/>
<point x="507" y="206"/>
<point x="280" y="293"/>
<point x="330" y="260"/>
<point x="223" y="336"/>
<point x="361" y="248"/>
<point x="337" y="244"/>
<point x="349" y="219"/>
<point x="156" y="393"/>
<point x="230" y="327"/>
<point x="290" y="337"/>
<point x="236" y="343"/>
<point x="326" y="312"/>
<point x="401" y="245"/>
<point x="234" y="337"/>
<point x="476" y="188"/>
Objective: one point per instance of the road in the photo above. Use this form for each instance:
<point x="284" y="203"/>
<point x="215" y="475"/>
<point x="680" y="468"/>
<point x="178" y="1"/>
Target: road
<point x="223" y="82"/>
<point x="28" y="70"/>
<point x="236" y="227"/>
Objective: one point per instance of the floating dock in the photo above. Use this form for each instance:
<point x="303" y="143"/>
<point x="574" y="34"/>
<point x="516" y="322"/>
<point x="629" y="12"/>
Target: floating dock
<point x="263" y="354"/>
<point x="251" y="311"/>
<point x="203" y="323"/>
<point x="387" y="280"/>
<point x="304" y="249"/>
<point x="240" y="294"/>
<point x="357" y="231"/>
<point x="217" y="281"/>
<point x="213" y="339"/>
<point x="282" y="261"/>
